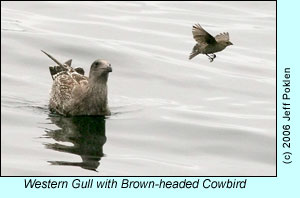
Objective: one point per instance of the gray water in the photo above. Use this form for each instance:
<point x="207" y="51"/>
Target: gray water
<point x="170" y="115"/>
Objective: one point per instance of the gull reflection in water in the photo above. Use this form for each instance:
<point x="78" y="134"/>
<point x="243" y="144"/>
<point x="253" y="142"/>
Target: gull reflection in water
<point x="86" y="135"/>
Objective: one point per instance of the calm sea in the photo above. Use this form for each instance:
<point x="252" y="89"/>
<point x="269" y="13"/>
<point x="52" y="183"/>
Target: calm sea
<point x="170" y="115"/>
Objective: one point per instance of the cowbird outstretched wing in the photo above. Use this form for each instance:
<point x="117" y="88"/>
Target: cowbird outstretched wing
<point x="201" y="36"/>
<point x="222" y="37"/>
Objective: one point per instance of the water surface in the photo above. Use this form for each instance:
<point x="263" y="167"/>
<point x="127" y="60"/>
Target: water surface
<point x="171" y="116"/>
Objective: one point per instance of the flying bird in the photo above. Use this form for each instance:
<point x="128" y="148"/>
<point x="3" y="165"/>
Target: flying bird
<point x="207" y="44"/>
<point x="74" y="94"/>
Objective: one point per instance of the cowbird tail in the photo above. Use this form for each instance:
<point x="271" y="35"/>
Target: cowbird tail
<point x="194" y="52"/>
<point x="192" y="55"/>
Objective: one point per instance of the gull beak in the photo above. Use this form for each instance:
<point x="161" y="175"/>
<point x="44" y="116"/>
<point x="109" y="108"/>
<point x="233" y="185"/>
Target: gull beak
<point x="109" y="69"/>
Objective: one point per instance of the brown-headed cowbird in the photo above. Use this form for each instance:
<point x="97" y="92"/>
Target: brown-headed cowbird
<point x="207" y="44"/>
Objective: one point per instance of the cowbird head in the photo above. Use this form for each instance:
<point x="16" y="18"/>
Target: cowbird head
<point x="225" y="43"/>
<point x="100" y="69"/>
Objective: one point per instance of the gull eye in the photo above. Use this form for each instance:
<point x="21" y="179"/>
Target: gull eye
<point x="96" y="65"/>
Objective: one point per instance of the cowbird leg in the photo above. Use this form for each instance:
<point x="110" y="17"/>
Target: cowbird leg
<point x="210" y="58"/>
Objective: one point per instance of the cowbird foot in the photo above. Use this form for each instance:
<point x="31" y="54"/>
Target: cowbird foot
<point x="214" y="56"/>
<point x="211" y="59"/>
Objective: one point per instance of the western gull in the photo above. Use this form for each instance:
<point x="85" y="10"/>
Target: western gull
<point x="74" y="94"/>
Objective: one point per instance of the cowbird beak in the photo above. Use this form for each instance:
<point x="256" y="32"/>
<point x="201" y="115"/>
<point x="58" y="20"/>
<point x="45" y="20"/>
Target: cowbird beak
<point x="230" y="43"/>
